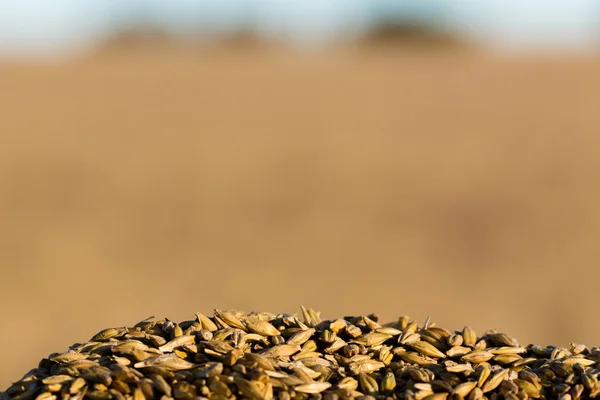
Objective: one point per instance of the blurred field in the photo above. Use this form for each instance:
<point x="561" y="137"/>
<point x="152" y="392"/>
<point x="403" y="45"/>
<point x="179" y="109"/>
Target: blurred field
<point x="165" y="180"/>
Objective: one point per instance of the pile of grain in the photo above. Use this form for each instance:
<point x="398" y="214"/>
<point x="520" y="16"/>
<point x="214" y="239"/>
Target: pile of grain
<point x="265" y="356"/>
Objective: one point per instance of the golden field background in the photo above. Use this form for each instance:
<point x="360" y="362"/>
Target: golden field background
<point x="162" y="179"/>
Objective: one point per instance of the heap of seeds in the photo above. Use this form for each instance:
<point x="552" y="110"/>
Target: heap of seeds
<point x="266" y="356"/>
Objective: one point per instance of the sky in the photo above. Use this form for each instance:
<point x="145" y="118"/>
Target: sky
<point x="34" y="26"/>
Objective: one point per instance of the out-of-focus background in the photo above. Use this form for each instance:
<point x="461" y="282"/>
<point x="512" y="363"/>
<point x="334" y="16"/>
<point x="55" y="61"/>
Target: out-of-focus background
<point x="425" y="158"/>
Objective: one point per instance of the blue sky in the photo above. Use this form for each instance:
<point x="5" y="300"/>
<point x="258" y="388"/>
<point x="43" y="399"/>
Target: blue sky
<point x="42" y="25"/>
